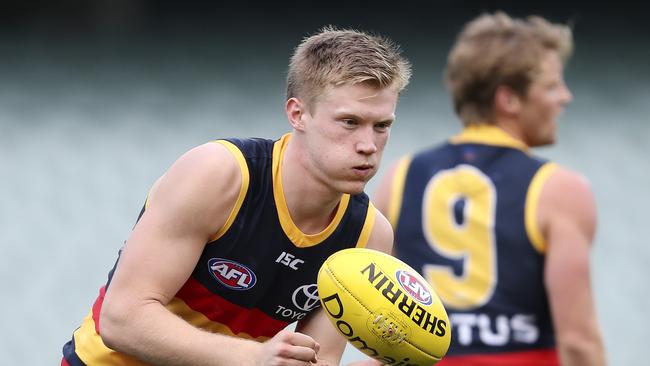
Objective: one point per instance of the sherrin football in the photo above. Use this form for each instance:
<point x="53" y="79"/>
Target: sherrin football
<point x="384" y="308"/>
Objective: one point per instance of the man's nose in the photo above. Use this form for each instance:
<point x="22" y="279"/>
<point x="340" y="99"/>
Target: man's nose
<point x="366" y="141"/>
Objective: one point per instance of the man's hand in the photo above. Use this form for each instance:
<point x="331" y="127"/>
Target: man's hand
<point x="288" y="349"/>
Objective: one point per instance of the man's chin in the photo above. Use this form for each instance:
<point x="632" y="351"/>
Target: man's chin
<point x="353" y="187"/>
<point x="546" y="142"/>
<point x="542" y="140"/>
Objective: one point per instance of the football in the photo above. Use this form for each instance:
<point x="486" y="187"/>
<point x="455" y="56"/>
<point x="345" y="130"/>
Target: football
<point x="384" y="308"/>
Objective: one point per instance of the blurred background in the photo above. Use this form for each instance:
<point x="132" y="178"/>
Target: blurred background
<point x="98" y="98"/>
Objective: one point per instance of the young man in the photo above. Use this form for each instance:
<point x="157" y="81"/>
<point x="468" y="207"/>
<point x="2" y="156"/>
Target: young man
<point x="226" y="251"/>
<point x="503" y="237"/>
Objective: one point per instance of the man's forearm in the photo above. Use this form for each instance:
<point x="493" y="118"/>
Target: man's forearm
<point x="154" y="335"/>
<point x="583" y="353"/>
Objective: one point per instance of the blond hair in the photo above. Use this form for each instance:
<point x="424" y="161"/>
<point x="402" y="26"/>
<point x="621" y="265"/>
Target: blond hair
<point x="494" y="50"/>
<point x="334" y="57"/>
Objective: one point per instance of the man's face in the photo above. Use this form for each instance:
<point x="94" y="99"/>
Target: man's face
<point x="346" y="131"/>
<point x="546" y="99"/>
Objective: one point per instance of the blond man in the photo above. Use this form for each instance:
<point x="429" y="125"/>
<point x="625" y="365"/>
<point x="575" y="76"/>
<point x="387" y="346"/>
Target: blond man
<point x="503" y="236"/>
<point x="226" y="251"/>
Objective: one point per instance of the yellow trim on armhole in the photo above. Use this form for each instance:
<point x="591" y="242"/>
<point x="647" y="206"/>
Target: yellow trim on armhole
<point x="368" y="224"/>
<point x="397" y="191"/>
<point x="146" y="199"/>
<point x="245" y="181"/>
<point x="532" y="202"/>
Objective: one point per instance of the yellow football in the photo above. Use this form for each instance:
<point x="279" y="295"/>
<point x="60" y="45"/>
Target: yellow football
<point x="384" y="308"/>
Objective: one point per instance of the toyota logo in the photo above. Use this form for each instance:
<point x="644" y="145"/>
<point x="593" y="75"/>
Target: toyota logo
<point x="306" y="297"/>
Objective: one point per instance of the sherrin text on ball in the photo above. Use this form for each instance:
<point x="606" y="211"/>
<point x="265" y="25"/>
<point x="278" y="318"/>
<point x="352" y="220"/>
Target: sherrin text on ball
<point x="384" y="308"/>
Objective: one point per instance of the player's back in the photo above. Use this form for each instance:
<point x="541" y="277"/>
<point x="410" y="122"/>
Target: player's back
<point x="466" y="222"/>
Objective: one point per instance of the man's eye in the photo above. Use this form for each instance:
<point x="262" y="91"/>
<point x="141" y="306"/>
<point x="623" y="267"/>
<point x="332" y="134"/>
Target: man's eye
<point x="349" y="122"/>
<point x="382" y="126"/>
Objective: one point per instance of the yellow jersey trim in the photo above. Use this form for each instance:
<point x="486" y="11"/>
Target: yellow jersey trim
<point x="532" y="202"/>
<point x="297" y="237"/>
<point x="245" y="182"/>
<point x="487" y="135"/>
<point x="397" y="190"/>
<point x="146" y="200"/>
<point x="368" y="224"/>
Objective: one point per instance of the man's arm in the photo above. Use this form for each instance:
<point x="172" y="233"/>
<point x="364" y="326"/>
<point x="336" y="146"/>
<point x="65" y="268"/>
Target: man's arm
<point x="567" y="218"/>
<point x="185" y="207"/>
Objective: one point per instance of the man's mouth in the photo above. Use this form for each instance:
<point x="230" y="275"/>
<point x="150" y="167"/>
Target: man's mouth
<point x="364" y="167"/>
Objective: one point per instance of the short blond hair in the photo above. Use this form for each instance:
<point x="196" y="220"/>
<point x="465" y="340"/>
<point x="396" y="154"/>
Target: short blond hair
<point x="334" y="57"/>
<point x="494" y="50"/>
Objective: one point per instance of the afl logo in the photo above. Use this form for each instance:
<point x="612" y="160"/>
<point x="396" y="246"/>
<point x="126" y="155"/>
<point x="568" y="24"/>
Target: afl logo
<point x="414" y="287"/>
<point x="231" y="274"/>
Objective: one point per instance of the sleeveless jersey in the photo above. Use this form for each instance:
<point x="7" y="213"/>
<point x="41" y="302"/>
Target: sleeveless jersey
<point x="464" y="217"/>
<point x="258" y="272"/>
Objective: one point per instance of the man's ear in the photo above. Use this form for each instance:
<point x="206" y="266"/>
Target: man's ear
<point x="296" y="111"/>
<point x="506" y="101"/>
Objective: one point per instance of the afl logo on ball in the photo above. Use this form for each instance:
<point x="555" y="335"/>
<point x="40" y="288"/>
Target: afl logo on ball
<point x="231" y="274"/>
<point x="414" y="287"/>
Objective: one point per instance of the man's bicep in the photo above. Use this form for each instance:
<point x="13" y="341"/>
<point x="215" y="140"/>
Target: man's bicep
<point x="155" y="261"/>
<point x="568" y="283"/>
<point x="567" y="206"/>
<point x="185" y="208"/>
<point x="567" y="258"/>
<point x="569" y="230"/>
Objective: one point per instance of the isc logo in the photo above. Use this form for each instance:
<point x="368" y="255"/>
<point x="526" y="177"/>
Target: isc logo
<point x="232" y="274"/>
<point x="289" y="260"/>
<point x="412" y="285"/>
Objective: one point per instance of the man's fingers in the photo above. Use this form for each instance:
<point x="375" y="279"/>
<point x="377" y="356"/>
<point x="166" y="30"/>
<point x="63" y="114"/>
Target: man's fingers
<point x="306" y="347"/>
<point x="299" y="339"/>
<point x="301" y="353"/>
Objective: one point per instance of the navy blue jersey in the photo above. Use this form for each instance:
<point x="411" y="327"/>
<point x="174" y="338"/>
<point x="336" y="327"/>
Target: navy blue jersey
<point x="258" y="273"/>
<point x="464" y="216"/>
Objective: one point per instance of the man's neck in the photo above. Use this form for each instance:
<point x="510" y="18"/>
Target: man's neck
<point x="311" y="204"/>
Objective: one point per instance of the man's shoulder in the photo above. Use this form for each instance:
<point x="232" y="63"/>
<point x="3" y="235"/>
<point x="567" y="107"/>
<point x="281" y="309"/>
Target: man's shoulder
<point x="567" y="190"/>
<point x="568" y="181"/>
